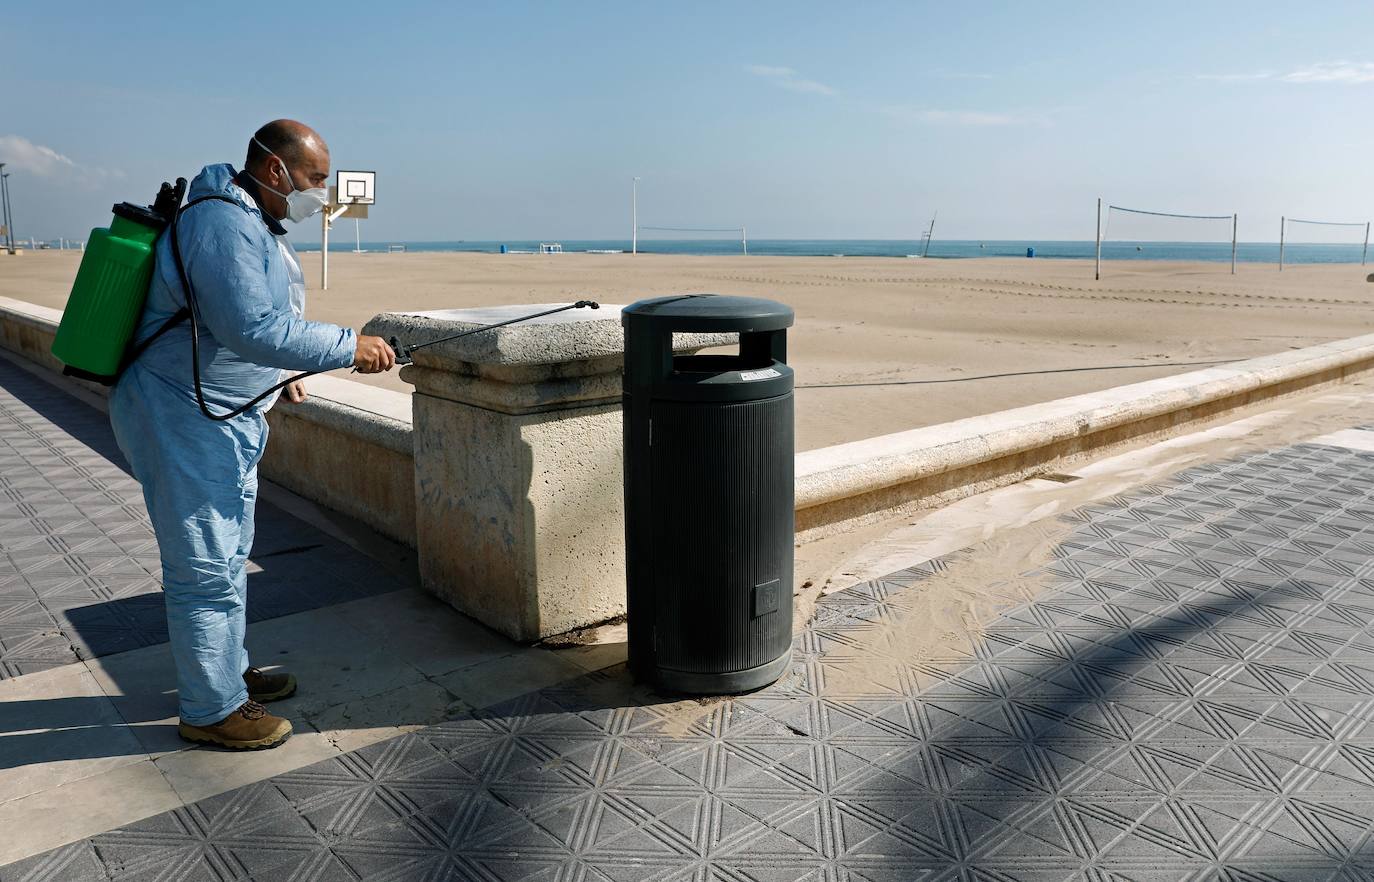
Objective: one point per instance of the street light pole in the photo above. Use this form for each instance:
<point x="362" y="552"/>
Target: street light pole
<point x="4" y="210"/>
<point x="9" y="213"/>
<point x="634" y="216"/>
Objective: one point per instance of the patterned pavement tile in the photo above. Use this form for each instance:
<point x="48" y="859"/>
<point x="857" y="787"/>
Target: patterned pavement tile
<point x="79" y="567"/>
<point x="1188" y="694"/>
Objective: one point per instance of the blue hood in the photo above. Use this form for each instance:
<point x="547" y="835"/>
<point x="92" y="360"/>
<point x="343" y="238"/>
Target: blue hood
<point x="218" y="180"/>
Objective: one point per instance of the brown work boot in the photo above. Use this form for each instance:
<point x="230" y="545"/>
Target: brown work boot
<point x="269" y="687"/>
<point x="250" y="727"/>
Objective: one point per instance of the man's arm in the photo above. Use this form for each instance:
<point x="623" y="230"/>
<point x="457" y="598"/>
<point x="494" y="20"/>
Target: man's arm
<point x="227" y="266"/>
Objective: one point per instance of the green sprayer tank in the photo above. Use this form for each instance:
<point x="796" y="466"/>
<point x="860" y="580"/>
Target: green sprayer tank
<point x="111" y="286"/>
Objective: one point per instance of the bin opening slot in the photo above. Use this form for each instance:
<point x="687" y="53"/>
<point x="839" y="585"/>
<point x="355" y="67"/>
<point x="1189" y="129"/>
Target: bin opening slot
<point x="712" y="363"/>
<point x="748" y="352"/>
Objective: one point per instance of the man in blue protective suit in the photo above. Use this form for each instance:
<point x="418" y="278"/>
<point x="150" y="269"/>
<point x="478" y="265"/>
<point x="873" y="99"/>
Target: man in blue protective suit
<point x="199" y="476"/>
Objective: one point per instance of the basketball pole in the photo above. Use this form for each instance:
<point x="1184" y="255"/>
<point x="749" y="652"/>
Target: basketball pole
<point x="1097" y="274"/>
<point x="1283" y="228"/>
<point x="1235" y="226"/>
<point x="324" y="249"/>
<point x="327" y="222"/>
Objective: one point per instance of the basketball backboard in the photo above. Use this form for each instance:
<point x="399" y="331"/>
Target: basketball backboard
<point x="356" y="187"/>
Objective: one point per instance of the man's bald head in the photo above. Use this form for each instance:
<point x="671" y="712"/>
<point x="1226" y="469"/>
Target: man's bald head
<point x="283" y="146"/>
<point x="290" y="140"/>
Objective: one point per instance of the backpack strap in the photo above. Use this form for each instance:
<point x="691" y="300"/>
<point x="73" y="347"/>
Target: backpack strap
<point x="184" y="313"/>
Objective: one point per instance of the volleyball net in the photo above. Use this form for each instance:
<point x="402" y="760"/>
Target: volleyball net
<point x="1327" y="233"/>
<point x="704" y="234"/>
<point x="1163" y="226"/>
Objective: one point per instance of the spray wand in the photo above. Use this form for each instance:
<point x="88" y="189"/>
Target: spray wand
<point x="403" y="351"/>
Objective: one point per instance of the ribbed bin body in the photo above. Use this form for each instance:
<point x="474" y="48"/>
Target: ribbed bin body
<point x="709" y="499"/>
<point x="730" y="470"/>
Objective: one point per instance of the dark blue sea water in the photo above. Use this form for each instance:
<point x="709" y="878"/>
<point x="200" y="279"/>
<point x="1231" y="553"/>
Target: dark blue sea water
<point x="1247" y="252"/>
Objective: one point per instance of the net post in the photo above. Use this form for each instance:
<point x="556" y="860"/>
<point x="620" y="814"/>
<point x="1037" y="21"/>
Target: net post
<point x="1097" y="273"/>
<point x="1235" y="225"/>
<point x="744" y="238"/>
<point x="1283" y="227"/>
<point x="1365" y="254"/>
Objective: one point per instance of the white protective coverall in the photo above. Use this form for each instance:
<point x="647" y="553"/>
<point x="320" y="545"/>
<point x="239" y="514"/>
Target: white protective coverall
<point x="199" y="476"/>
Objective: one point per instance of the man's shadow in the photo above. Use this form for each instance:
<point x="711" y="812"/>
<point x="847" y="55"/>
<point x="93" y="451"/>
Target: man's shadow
<point x="294" y="568"/>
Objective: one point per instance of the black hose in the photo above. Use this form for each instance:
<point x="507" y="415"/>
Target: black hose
<point x="1108" y="367"/>
<point x="195" y="330"/>
<point x="404" y="351"/>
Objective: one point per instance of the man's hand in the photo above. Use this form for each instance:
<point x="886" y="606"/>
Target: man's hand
<point x="295" y="393"/>
<point x="373" y="355"/>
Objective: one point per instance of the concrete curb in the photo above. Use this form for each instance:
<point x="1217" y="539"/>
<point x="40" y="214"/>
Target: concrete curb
<point x="848" y="484"/>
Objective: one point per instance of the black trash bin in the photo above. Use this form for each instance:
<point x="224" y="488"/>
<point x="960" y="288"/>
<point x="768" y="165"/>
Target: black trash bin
<point x="708" y="495"/>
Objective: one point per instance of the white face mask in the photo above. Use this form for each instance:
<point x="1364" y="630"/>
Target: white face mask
<point x="300" y="204"/>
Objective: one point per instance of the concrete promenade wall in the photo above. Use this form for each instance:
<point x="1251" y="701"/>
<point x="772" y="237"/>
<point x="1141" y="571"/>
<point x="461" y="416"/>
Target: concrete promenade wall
<point x="350" y="447"/>
<point x="347" y="447"/>
<point x="848" y="484"/>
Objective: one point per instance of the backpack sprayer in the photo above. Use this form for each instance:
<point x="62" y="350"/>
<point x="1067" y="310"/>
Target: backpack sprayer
<point x="111" y="288"/>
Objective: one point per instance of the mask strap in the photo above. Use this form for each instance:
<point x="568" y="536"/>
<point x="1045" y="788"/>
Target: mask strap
<point x="284" y="169"/>
<point x="265" y="187"/>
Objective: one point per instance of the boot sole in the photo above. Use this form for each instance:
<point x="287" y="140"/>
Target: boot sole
<point x="276" y="739"/>
<point x="285" y="692"/>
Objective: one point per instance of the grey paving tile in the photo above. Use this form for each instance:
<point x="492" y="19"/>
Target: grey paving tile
<point x="79" y="569"/>
<point x="1191" y="695"/>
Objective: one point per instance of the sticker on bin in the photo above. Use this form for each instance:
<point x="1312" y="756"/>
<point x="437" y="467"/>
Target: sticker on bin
<point x="765" y="374"/>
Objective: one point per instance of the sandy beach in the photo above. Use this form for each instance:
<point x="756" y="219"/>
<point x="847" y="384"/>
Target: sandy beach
<point x="873" y="329"/>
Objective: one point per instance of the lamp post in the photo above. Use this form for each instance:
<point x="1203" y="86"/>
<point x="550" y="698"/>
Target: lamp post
<point x="4" y="208"/>
<point x="9" y="213"/>
<point x="634" y="216"/>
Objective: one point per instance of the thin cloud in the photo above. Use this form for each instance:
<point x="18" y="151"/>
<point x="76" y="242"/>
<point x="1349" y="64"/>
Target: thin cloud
<point x="1332" y="72"/>
<point x="1340" y="72"/>
<point x="22" y="155"/>
<point x="977" y="118"/>
<point x="1237" y="77"/>
<point x="787" y="78"/>
<point x="960" y="75"/>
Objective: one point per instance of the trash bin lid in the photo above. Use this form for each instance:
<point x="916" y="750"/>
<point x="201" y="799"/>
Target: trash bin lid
<point x="707" y="312"/>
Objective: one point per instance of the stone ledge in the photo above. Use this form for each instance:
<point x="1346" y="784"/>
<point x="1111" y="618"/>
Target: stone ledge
<point x="570" y="345"/>
<point x="377" y="416"/>
<point x="847" y="484"/>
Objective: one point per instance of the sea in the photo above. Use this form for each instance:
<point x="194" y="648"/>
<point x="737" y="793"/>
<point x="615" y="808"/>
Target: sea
<point x="1246" y="252"/>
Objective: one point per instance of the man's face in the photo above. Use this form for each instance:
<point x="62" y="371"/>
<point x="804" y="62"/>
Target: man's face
<point x="308" y="172"/>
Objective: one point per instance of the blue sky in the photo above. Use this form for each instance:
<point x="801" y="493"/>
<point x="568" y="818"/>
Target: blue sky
<point x="801" y="120"/>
